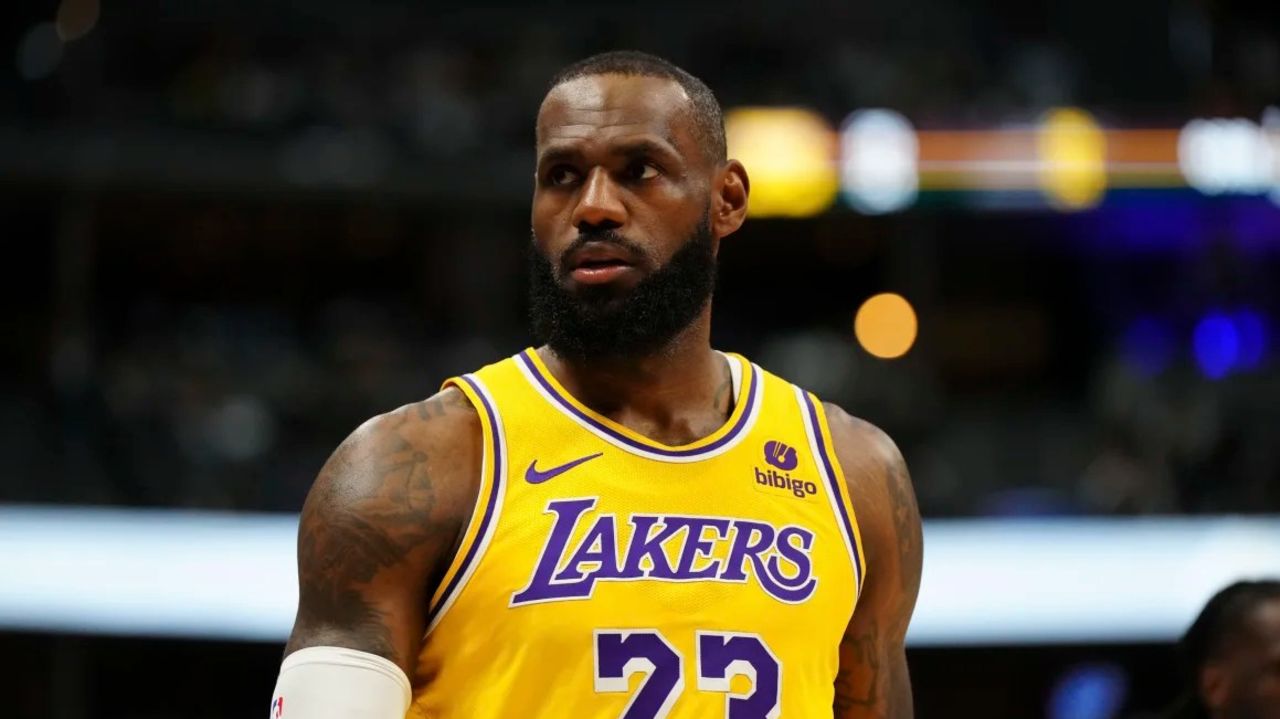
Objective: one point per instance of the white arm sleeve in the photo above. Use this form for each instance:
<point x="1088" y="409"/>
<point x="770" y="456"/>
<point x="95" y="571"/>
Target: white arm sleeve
<point x="336" y="683"/>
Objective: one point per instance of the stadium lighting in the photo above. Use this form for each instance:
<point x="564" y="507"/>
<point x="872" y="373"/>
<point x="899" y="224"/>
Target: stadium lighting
<point x="1216" y="343"/>
<point x="788" y="153"/>
<point x="879" y="158"/>
<point x="886" y="325"/>
<point x="1073" y="159"/>
<point x="1227" y="156"/>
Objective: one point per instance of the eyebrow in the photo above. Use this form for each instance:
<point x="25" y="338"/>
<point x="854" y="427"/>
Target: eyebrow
<point x="627" y="148"/>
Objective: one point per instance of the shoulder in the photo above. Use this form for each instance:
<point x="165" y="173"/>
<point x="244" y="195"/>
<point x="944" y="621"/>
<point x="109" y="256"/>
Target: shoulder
<point x="381" y="520"/>
<point x="880" y="490"/>
<point x="446" y="422"/>
<point x="865" y="452"/>
<point x="418" y="462"/>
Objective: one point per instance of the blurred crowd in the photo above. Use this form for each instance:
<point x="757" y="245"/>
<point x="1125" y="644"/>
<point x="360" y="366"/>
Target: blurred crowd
<point x="217" y="368"/>
<point x="396" y="94"/>
<point x="251" y="226"/>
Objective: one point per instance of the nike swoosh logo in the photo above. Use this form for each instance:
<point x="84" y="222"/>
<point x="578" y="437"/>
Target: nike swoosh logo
<point x="533" y="476"/>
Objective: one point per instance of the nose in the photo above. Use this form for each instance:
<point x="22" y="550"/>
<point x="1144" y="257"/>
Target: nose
<point x="599" y="206"/>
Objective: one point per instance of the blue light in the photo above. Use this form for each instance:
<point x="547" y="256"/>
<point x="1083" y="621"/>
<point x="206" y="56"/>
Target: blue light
<point x="1089" y="691"/>
<point x="1216" y="344"/>
<point x="1252" y="331"/>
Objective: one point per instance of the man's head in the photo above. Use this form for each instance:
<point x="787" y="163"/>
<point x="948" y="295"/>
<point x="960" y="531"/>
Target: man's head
<point x="1233" y="652"/>
<point x="632" y="195"/>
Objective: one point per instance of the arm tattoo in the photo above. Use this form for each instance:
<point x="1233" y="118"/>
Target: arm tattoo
<point x="858" y="681"/>
<point x="906" y="524"/>
<point x="348" y="534"/>
<point x="872" y="681"/>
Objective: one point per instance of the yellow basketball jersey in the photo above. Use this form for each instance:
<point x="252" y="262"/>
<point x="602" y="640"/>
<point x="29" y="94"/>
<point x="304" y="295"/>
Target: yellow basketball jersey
<point x="605" y="575"/>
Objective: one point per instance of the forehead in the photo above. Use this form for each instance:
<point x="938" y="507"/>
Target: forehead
<point x="601" y="108"/>
<point x="1257" y="638"/>
<point x="1264" y="622"/>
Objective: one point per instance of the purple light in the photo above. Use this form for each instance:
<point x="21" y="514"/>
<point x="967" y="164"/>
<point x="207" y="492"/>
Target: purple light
<point x="1252" y="331"/>
<point x="1216" y="344"/>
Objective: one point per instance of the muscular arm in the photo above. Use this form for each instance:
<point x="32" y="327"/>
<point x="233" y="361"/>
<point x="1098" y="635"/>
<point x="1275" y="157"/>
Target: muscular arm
<point x="380" y="526"/>
<point x="873" y="682"/>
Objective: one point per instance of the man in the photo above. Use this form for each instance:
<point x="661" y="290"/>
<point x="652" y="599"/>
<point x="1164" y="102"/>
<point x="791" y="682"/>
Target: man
<point x="623" y="522"/>
<point x="1233" y="654"/>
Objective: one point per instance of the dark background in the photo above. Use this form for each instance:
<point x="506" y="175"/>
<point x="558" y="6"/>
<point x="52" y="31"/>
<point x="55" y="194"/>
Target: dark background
<point x="233" y="230"/>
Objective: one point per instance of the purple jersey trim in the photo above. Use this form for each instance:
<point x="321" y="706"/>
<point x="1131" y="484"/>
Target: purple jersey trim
<point x="494" y="487"/>
<point x="829" y="470"/>
<point x="651" y="447"/>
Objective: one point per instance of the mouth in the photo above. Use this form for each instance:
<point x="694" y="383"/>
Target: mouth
<point x="597" y="263"/>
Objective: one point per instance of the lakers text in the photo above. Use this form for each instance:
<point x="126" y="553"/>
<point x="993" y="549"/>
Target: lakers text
<point x="666" y="547"/>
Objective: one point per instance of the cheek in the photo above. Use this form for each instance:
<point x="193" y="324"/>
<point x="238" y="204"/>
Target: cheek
<point x="669" y="218"/>
<point x="545" y="218"/>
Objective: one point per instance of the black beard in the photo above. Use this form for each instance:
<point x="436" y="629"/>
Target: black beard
<point x="599" y="324"/>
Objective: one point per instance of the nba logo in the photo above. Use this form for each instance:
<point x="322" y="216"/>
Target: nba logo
<point x="277" y="708"/>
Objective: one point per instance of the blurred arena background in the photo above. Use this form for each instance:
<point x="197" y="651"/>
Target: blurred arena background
<point x="233" y="230"/>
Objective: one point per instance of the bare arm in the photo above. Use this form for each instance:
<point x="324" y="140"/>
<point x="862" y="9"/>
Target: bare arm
<point x="873" y="682"/>
<point x="380" y="526"/>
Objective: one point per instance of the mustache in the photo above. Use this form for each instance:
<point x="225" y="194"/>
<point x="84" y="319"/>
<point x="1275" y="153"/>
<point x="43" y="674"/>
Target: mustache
<point x="602" y="236"/>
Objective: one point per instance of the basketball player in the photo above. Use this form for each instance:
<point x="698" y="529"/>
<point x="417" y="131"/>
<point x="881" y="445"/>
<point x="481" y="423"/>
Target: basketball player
<point x="622" y="522"/>
<point x="1233" y="654"/>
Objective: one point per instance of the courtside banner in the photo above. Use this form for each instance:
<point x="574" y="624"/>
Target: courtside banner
<point x="986" y="582"/>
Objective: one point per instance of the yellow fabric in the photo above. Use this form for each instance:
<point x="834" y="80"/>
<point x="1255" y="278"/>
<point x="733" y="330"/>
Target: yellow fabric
<point x="527" y="617"/>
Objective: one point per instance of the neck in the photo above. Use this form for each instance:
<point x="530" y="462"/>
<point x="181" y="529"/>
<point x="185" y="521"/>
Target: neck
<point x="676" y="395"/>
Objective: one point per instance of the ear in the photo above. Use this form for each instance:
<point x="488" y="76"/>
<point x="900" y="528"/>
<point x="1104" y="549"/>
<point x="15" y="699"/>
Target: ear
<point x="729" y="199"/>
<point x="1215" y="686"/>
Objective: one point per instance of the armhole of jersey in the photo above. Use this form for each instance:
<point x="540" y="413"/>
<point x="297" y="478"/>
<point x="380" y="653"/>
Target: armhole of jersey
<point x="823" y="448"/>
<point x="484" y="518"/>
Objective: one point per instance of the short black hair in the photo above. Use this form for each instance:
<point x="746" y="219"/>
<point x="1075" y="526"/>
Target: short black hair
<point x="1222" y="617"/>
<point x="1221" y="621"/>
<point x="708" y="120"/>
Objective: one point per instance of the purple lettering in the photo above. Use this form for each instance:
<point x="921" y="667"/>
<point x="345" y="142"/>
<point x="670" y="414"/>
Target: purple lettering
<point x="695" y="546"/>
<point x="605" y="558"/>
<point x="779" y="558"/>
<point x="744" y="547"/>
<point x="794" y="588"/>
<point x="541" y="587"/>
<point x="643" y="545"/>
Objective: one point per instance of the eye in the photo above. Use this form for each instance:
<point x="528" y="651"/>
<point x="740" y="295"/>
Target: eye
<point x="642" y="171"/>
<point x="562" y="175"/>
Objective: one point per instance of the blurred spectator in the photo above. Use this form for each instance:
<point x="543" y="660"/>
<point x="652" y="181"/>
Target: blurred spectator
<point x="1232" y="654"/>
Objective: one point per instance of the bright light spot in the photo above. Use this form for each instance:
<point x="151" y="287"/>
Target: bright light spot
<point x="1089" y="691"/>
<point x="39" y="52"/>
<point x="1216" y="344"/>
<point x="1073" y="159"/>
<point x="76" y="18"/>
<point x="788" y="156"/>
<point x="879" y="155"/>
<point x="886" y="325"/>
<point x="1218" y="156"/>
